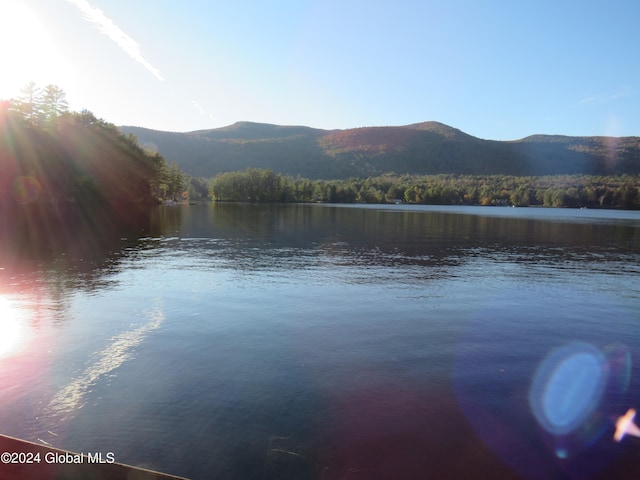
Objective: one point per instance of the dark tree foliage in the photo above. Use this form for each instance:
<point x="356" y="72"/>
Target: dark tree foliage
<point x="259" y="185"/>
<point x="74" y="160"/>
<point x="197" y="188"/>
<point x="252" y="185"/>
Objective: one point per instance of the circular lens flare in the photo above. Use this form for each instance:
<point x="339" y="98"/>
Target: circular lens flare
<point x="567" y="387"/>
<point x="541" y="374"/>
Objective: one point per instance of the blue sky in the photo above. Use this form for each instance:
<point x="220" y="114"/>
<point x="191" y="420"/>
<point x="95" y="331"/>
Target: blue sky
<point x="495" y="69"/>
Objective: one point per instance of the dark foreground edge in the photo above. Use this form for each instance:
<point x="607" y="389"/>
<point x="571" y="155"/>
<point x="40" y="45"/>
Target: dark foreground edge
<point x="49" y="463"/>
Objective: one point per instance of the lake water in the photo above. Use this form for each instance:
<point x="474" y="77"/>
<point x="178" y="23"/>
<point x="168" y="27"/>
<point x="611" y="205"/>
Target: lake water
<point x="329" y="342"/>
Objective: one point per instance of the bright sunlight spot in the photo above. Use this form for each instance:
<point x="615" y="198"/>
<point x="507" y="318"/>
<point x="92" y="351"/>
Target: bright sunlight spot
<point x="11" y="330"/>
<point x="27" y="51"/>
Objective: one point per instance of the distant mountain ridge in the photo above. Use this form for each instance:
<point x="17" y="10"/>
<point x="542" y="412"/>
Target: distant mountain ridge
<point x="421" y="148"/>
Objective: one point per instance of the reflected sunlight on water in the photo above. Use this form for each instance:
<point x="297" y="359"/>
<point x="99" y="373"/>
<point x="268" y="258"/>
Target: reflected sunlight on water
<point x="71" y="397"/>
<point x="12" y="331"/>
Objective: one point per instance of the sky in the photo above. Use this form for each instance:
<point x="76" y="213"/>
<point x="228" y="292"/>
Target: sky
<point x="496" y="69"/>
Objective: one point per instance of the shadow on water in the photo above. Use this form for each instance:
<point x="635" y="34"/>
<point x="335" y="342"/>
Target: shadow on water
<point x="47" y="255"/>
<point x="42" y="240"/>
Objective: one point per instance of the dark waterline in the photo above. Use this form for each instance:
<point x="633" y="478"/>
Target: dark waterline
<point x="319" y="341"/>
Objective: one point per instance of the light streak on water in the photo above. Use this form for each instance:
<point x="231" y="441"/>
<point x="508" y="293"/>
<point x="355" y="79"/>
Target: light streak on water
<point x="72" y="396"/>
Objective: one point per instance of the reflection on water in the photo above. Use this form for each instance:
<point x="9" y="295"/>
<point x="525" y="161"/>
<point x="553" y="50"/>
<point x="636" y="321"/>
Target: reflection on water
<point x="120" y="349"/>
<point x="12" y="331"/>
<point x="321" y="342"/>
<point x="62" y="251"/>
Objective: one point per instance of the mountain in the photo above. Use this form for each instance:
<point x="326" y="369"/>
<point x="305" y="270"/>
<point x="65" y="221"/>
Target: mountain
<point x="421" y="148"/>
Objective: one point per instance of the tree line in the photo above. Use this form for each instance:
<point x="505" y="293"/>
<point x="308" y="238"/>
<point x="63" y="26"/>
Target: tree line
<point x="52" y="156"/>
<point x="261" y="185"/>
<point x="39" y="107"/>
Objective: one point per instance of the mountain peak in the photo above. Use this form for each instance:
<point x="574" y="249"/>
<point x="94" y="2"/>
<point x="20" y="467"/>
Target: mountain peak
<point x="441" y="129"/>
<point x="422" y="149"/>
<point x="254" y="130"/>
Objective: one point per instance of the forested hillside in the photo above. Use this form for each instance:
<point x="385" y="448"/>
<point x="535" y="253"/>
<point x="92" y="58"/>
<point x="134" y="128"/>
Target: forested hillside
<point x="260" y="185"/>
<point x="60" y="159"/>
<point x="429" y="148"/>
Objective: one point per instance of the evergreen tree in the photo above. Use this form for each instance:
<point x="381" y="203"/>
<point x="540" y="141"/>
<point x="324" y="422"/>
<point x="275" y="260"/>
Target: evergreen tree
<point x="53" y="103"/>
<point x="27" y="106"/>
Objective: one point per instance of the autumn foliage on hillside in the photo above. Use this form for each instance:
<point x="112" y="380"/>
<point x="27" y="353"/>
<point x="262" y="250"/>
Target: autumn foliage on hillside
<point x="373" y="140"/>
<point x="428" y="148"/>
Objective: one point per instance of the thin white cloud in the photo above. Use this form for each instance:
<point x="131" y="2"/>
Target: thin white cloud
<point x="201" y="110"/>
<point x="115" y="33"/>
<point x="602" y="98"/>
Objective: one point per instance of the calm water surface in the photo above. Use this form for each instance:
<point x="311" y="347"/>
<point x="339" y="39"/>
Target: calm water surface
<point x="328" y="342"/>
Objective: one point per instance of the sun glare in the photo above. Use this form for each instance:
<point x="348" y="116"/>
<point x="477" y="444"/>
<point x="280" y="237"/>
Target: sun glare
<point x="11" y="329"/>
<point x="26" y="51"/>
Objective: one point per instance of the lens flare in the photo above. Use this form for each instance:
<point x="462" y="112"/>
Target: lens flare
<point x="541" y="403"/>
<point x="26" y="189"/>
<point x="574" y="391"/>
<point x="567" y="387"/>
<point x="625" y="425"/>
